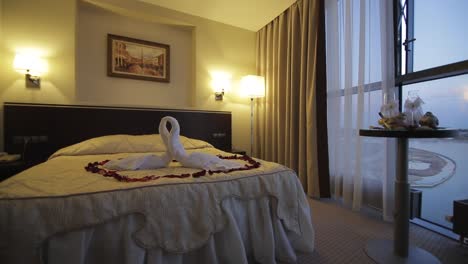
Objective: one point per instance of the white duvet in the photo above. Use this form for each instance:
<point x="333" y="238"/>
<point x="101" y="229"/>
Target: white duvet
<point x="181" y="214"/>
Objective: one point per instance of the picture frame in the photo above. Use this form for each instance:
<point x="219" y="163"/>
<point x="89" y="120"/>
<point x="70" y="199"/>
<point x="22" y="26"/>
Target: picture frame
<point x="137" y="59"/>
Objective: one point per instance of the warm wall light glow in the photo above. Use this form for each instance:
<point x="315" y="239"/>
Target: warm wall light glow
<point x="253" y="86"/>
<point x="220" y="81"/>
<point x="28" y="63"/>
<point x="465" y="94"/>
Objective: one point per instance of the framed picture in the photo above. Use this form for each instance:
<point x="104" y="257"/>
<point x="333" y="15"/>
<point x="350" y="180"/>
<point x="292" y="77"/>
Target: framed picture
<point x="137" y="59"/>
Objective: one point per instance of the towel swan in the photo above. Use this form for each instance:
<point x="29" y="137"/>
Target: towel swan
<point x="139" y="162"/>
<point x="144" y="162"/>
<point x="174" y="150"/>
<point x="196" y="160"/>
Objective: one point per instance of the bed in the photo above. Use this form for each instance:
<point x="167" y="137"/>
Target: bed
<point x="60" y="211"/>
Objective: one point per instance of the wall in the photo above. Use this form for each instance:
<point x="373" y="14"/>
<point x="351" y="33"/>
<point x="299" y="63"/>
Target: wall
<point x="45" y="27"/>
<point x="1" y="31"/>
<point x="93" y="85"/>
<point x="51" y="27"/>
<point x="2" y="73"/>
<point x="215" y="47"/>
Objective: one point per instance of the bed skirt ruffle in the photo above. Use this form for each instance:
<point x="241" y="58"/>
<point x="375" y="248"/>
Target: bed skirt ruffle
<point x="252" y="233"/>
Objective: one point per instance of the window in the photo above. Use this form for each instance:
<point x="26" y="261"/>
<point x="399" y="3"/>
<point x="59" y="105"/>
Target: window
<point x="447" y="98"/>
<point x="439" y="28"/>
<point x="431" y="58"/>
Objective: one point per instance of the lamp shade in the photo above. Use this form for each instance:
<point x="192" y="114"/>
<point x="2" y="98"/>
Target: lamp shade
<point x="220" y="81"/>
<point x="253" y="86"/>
<point x="25" y="63"/>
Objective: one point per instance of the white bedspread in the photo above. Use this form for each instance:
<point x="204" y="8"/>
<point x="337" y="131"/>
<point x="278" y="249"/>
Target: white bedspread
<point x="178" y="215"/>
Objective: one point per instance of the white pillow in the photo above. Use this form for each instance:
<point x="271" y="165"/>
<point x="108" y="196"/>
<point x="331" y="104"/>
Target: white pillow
<point x="125" y="144"/>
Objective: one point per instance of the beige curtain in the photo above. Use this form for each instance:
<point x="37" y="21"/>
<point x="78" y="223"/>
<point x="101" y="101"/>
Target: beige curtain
<point x="290" y="54"/>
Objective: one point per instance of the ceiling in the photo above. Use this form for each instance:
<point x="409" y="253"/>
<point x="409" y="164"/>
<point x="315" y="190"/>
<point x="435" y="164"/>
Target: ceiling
<point x="248" y="14"/>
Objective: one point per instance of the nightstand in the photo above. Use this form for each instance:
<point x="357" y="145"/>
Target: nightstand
<point x="238" y="152"/>
<point x="8" y="169"/>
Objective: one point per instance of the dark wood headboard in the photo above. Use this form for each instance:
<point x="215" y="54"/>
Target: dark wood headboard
<point x="48" y="128"/>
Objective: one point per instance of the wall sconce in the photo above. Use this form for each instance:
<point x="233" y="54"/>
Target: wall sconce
<point x="221" y="83"/>
<point x="32" y="67"/>
<point x="219" y="95"/>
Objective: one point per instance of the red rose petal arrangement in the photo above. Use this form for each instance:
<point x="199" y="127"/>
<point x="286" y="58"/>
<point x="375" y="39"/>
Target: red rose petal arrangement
<point x="95" y="167"/>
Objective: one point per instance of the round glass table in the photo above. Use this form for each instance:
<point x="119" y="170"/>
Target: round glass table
<point x="379" y="250"/>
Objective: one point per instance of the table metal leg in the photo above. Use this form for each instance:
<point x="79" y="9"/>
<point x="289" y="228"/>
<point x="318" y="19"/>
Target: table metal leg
<point x="402" y="205"/>
<point x="381" y="250"/>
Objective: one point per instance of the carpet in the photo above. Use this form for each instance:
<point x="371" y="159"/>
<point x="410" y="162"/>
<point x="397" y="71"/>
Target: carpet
<point x="341" y="236"/>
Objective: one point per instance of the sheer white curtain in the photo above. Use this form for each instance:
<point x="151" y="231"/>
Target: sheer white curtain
<point x="360" y="74"/>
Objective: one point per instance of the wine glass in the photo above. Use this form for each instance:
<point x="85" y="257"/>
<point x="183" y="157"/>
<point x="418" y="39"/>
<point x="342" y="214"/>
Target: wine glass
<point x="411" y="108"/>
<point x="413" y="95"/>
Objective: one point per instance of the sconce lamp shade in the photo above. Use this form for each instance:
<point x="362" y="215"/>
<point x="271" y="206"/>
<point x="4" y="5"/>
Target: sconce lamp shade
<point x="29" y="64"/>
<point x="220" y="81"/>
<point x="253" y="86"/>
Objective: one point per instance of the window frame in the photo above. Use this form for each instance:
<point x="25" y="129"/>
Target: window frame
<point x="410" y="77"/>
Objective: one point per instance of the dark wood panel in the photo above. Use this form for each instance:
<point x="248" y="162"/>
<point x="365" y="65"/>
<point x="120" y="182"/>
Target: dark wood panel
<point x="51" y="127"/>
